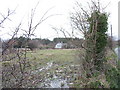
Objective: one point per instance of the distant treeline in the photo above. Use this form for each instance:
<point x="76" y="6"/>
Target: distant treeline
<point x="64" y="40"/>
<point x="20" y="42"/>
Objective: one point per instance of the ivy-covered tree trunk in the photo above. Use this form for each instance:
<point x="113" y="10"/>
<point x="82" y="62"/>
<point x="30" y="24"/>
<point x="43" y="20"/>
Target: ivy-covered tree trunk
<point x="96" y="40"/>
<point x="92" y="23"/>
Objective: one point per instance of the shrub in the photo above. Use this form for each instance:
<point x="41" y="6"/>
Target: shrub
<point x="96" y="84"/>
<point x="113" y="77"/>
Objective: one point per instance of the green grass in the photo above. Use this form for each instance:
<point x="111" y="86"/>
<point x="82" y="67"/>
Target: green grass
<point x="39" y="58"/>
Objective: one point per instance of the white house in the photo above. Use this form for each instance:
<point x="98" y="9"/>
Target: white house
<point x="59" y="45"/>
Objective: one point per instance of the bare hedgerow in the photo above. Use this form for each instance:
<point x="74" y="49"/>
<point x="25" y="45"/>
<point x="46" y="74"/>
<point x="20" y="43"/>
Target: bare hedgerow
<point x="16" y="68"/>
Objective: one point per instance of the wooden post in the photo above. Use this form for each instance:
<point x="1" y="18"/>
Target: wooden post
<point x="111" y="38"/>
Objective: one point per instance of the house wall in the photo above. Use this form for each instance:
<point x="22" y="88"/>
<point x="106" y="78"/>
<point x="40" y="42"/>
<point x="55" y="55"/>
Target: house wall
<point x="59" y="45"/>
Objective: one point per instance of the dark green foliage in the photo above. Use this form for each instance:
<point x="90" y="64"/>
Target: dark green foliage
<point x="113" y="77"/>
<point x="45" y="41"/>
<point x="101" y="32"/>
<point x="21" y="41"/>
<point x="95" y="74"/>
<point x="64" y="40"/>
<point x="96" y="39"/>
<point x="96" y="84"/>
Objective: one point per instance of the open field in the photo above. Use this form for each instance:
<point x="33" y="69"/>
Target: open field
<point x="57" y="68"/>
<point x="58" y="56"/>
<point x="52" y="67"/>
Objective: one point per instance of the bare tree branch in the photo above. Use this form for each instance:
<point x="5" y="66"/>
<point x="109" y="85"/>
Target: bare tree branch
<point x="14" y="33"/>
<point x="6" y="17"/>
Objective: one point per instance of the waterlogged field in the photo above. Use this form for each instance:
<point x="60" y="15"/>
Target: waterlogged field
<point x="52" y="68"/>
<point x="56" y="68"/>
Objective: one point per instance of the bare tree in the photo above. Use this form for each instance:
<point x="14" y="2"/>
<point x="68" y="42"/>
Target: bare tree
<point x="3" y="19"/>
<point x="16" y="71"/>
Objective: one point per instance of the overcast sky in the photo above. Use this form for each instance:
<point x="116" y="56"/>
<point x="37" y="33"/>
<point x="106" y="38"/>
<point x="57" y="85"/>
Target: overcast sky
<point x="61" y="7"/>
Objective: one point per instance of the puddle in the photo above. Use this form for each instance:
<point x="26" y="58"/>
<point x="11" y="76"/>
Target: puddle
<point x="49" y="65"/>
<point x="58" y="83"/>
<point x="51" y="82"/>
<point x="54" y="82"/>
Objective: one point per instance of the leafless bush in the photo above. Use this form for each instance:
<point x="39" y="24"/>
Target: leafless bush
<point x="16" y="71"/>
